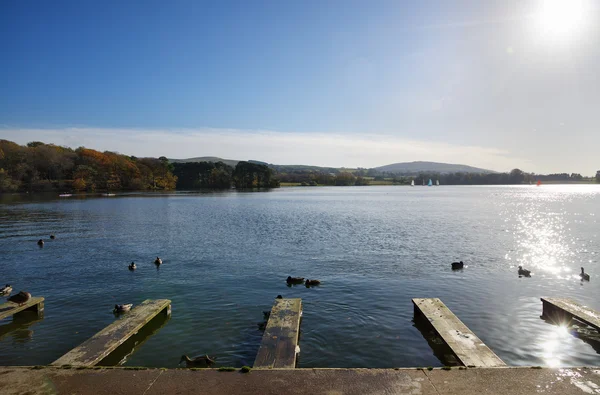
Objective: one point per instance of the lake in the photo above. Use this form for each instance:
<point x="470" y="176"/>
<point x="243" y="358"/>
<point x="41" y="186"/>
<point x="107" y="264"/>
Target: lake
<point x="226" y="256"/>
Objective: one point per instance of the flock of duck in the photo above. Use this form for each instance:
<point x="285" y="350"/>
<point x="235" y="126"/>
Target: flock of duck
<point x="22" y="297"/>
<point x="522" y="272"/>
<point x="132" y="266"/>
<point x="204" y="360"/>
<point x="300" y="280"/>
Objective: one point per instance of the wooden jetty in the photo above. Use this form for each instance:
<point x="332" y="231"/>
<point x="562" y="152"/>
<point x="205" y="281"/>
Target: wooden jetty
<point x="280" y="340"/>
<point x="99" y="346"/>
<point x="467" y="347"/>
<point x="563" y="310"/>
<point x="8" y="309"/>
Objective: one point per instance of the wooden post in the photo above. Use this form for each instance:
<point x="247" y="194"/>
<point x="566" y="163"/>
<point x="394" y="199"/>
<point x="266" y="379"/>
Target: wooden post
<point x="99" y="346"/>
<point x="467" y="347"/>
<point x="279" y="345"/>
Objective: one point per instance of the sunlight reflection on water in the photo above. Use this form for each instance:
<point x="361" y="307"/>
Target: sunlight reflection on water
<point x="374" y="248"/>
<point x="541" y="226"/>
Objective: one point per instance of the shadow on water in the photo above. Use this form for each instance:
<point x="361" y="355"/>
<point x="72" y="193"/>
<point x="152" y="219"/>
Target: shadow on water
<point x="19" y="327"/>
<point x="577" y="329"/>
<point x="440" y="349"/>
<point x="131" y="345"/>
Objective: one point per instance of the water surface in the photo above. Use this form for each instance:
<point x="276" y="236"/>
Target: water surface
<point x="226" y="256"/>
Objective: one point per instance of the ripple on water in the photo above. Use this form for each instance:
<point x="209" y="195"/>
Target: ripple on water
<point x="226" y="256"/>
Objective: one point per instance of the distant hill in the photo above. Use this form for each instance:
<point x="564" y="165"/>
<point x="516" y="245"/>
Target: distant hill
<point x="233" y="163"/>
<point x="230" y="162"/>
<point x="407" y="168"/>
<point x="430" y="167"/>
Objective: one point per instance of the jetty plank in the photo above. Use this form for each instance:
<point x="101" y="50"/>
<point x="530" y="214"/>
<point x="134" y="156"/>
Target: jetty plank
<point x="35" y="304"/>
<point x="279" y="342"/>
<point x="96" y="348"/>
<point x="560" y="308"/>
<point x="467" y="347"/>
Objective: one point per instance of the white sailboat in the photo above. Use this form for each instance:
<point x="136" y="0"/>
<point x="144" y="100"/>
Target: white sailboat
<point x="429" y="183"/>
<point x="437" y="183"/>
<point x="412" y="183"/>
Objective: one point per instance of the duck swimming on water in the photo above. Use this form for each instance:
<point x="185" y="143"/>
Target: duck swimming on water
<point x="158" y="261"/>
<point x="122" y="308"/>
<point x="294" y="280"/>
<point x="584" y="275"/>
<point x="201" y="361"/>
<point x="310" y="283"/>
<point x="524" y="272"/>
<point x="457" y="265"/>
<point x="40" y="242"/>
<point x="132" y="266"/>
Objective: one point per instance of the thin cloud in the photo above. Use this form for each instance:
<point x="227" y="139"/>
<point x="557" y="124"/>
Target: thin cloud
<point x="335" y="150"/>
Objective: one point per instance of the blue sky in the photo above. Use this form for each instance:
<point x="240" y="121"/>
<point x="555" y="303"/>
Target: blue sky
<point x="496" y="84"/>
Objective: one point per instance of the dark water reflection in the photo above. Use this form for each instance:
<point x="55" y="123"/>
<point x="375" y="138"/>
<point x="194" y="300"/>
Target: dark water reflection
<point x="226" y="255"/>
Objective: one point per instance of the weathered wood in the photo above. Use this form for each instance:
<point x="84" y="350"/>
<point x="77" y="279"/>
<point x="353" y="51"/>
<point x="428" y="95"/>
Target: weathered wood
<point x="99" y="346"/>
<point x="467" y="347"/>
<point x="560" y="309"/>
<point x="35" y="304"/>
<point x="279" y="342"/>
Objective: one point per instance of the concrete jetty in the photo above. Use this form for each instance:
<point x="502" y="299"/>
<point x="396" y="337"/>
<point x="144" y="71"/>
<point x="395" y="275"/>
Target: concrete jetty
<point x="278" y="347"/>
<point x="98" y="347"/>
<point x="467" y="347"/>
<point x="563" y="310"/>
<point x="457" y="381"/>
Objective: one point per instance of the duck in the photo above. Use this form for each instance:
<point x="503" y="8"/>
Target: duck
<point x="309" y="283"/>
<point x="158" y="261"/>
<point x="457" y="265"/>
<point x="122" y="308"/>
<point x="40" y="242"/>
<point x="132" y="266"/>
<point x="294" y="280"/>
<point x="279" y="297"/>
<point x="52" y="237"/>
<point x="584" y="275"/>
<point x="524" y="272"/>
<point x="6" y="290"/>
<point x="21" y="298"/>
<point x="201" y="361"/>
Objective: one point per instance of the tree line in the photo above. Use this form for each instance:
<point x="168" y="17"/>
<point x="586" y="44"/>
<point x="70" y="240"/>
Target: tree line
<point x="363" y="177"/>
<point x="219" y="175"/>
<point x="39" y="167"/>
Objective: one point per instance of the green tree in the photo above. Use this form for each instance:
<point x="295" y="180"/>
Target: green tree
<point x="598" y="176"/>
<point x="516" y="176"/>
<point x="345" y="179"/>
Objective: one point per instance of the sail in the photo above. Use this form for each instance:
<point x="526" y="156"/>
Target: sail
<point x="429" y="183"/>
<point x="539" y="183"/>
<point x="437" y="183"/>
<point x="412" y="183"/>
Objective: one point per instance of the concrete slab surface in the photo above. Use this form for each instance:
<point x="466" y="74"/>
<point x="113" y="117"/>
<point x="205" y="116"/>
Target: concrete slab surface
<point x="500" y="381"/>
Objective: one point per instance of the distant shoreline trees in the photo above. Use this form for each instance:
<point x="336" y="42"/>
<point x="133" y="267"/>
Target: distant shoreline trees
<point x="39" y="167"/>
<point x="218" y="175"/>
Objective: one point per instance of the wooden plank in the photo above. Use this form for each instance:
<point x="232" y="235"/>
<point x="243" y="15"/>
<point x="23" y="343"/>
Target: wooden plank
<point x="279" y="342"/>
<point x="96" y="348"/>
<point x="467" y="347"/>
<point x="558" y="308"/>
<point x="9" y="308"/>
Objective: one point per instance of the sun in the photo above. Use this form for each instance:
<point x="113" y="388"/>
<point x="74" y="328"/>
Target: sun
<point x="561" y="19"/>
